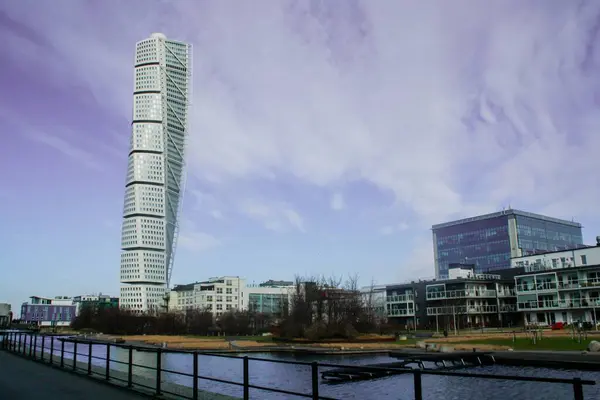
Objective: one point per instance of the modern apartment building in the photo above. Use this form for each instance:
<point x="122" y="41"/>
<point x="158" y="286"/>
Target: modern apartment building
<point x="561" y="286"/>
<point x="490" y="241"/>
<point x="45" y="311"/>
<point x="155" y="173"/>
<point x="271" y="297"/>
<point x="217" y="295"/>
<point x="465" y="299"/>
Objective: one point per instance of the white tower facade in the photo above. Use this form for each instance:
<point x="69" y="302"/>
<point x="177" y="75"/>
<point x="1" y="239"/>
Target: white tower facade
<point x="155" y="174"/>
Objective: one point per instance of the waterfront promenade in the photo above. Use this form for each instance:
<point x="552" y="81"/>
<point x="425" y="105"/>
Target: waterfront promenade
<point x="22" y="379"/>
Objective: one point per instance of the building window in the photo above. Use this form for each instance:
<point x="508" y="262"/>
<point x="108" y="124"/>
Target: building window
<point x="228" y="283"/>
<point x="583" y="259"/>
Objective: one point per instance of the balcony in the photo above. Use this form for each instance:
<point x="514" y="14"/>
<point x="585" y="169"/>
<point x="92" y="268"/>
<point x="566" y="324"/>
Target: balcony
<point x="580" y="284"/>
<point x="460" y="294"/>
<point x="400" y="312"/>
<point x="539" y="287"/>
<point x="508" y="308"/>
<point x="401" y="298"/>
<point x="559" y="304"/>
<point x="507" y="293"/>
<point x="460" y="310"/>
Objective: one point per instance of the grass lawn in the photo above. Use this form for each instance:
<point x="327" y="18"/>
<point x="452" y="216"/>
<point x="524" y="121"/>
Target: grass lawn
<point x="548" y="343"/>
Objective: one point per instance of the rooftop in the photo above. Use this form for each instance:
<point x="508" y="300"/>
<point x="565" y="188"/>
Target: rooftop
<point x="510" y="211"/>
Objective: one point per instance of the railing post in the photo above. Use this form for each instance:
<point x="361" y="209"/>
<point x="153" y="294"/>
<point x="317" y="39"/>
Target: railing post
<point x="158" y="370"/>
<point x="89" y="358"/>
<point x="246" y="380"/>
<point x="195" y="383"/>
<point x="107" y="361"/>
<point x="24" y="345"/>
<point x="130" y="368"/>
<point x="62" y="353"/>
<point x="51" y="349"/>
<point x="31" y="337"/>
<point x="43" y="346"/>
<point x="20" y="339"/>
<point x="577" y="389"/>
<point x="74" y="355"/>
<point x="418" y="387"/>
<point x="34" y="344"/>
<point x="314" y="369"/>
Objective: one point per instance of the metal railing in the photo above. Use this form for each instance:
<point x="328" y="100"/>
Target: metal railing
<point x="27" y="345"/>
<point x="399" y="312"/>
<point x="400" y="298"/>
<point x="559" y="304"/>
<point x="449" y="310"/>
<point x="463" y="293"/>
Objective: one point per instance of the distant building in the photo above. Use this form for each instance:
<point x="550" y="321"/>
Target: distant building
<point x="561" y="286"/>
<point x="5" y="315"/>
<point x="95" y="302"/>
<point x="155" y="171"/>
<point x="490" y="241"/>
<point x="45" y="311"/>
<point x="217" y="295"/>
<point x="270" y="297"/>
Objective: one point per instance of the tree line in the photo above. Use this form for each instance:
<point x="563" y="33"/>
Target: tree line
<point x="317" y="308"/>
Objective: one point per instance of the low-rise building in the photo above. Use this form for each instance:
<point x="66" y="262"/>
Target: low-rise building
<point x="95" y="301"/>
<point x="46" y="311"/>
<point x="270" y="297"/>
<point x="216" y="295"/>
<point x="560" y="286"/>
<point x="5" y="315"/>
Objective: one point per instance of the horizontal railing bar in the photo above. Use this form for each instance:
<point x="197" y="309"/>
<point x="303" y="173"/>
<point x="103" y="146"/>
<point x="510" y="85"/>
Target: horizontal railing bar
<point x="283" y="391"/>
<point x="208" y="378"/>
<point x="168" y="371"/>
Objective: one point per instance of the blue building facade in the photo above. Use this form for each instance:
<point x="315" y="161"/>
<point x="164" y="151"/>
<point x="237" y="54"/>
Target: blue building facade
<point x="490" y="241"/>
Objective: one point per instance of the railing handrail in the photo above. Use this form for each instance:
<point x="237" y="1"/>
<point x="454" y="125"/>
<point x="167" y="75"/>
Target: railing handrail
<point x="9" y="342"/>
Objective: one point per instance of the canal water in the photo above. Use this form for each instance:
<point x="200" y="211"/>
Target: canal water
<point x="297" y="378"/>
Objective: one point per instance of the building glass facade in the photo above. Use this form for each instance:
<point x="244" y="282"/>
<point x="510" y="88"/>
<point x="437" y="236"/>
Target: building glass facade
<point x="485" y="243"/>
<point x="489" y="241"/>
<point x="535" y="235"/>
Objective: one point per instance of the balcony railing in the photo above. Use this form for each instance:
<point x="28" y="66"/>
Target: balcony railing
<point x="537" y="287"/>
<point x="508" y="308"/>
<point x="558" y="304"/>
<point x="450" y="310"/>
<point x="580" y="284"/>
<point x="400" y="312"/>
<point x="507" y="293"/>
<point x="400" y="298"/>
<point x="459" y="294"/>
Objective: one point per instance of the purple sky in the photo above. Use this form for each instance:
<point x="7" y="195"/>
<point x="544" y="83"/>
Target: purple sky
<point x="326" y="136"/>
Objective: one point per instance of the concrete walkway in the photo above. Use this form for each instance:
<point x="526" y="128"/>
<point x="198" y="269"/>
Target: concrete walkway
<point x="22" y="379"/>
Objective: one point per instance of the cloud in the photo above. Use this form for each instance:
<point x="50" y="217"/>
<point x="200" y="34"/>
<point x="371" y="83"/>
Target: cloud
<point x="451" y="107"/>
<point x="216" y="214"/>
<point x="68" y="149"/>
<point x="278" y="217"/>
<point x="337" y="202"/>
<point x="196" y="241"/>
<point x="391" y="229"/>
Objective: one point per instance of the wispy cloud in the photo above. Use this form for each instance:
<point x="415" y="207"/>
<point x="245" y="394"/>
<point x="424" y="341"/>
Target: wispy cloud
<point x="278" y="217"/>
<point x="391" y="229"/>
<point x="68" y="149"/>
<point x="337" y="202"/>
<point x="197" y="241"/>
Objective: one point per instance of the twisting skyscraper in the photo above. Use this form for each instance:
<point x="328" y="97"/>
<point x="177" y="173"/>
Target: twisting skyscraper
<point x="155" y="173"/>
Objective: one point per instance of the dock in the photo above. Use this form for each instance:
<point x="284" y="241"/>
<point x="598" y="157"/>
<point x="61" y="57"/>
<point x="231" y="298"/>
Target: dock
<point x="410" y="360"/>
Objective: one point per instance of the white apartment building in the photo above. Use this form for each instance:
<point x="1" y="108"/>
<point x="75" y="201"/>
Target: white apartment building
<point x="217" y="295"/>
<point x="155" y="173"/>
<point x="561" y="286"/>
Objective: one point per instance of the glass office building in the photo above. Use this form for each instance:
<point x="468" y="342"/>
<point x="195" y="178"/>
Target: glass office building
<point x="490" y="241"/>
